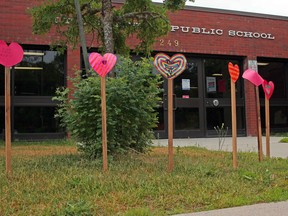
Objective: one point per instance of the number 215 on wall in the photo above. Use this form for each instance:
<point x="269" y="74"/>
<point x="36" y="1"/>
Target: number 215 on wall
<point x="169" y="42"/>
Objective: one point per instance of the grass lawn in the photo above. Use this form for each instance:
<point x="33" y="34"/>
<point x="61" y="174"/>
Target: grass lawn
<point x="284" y="140"/>
<point x="53" y="179"/>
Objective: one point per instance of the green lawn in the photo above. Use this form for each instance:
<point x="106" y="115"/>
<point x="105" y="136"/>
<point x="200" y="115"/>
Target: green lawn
<point x="51" y="179"/>
<point x="284" y="140"/>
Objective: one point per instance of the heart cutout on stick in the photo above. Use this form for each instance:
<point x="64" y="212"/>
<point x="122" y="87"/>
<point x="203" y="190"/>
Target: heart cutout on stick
<point x="253" y="77"/>
<point x="233" y="71"/>
<point x="268" y="88"/>
<point x="170" y="67"/>
<point x="10" y="55"/>
<point x="102" y="64"/>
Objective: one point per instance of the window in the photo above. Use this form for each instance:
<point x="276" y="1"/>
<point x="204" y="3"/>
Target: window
<point x="39" y="73"/>
<point x="35" y="120"/>
<point x="33" y="84"/>
<point x="2" y="80"/>
<point x="277" y="72"/>
<point x="217" y="78"/>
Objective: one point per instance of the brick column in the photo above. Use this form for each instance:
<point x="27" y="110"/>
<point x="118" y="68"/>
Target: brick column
<point x="250" y="103"/>
<point x="73" y="63"/>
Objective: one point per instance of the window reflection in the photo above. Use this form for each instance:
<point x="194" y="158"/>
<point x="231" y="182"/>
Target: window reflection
<point x="35" y="120"/>
<point x="2" y="80"/>
<point x="186" y="85"/>
<point x="217" y="78"/>
<point x="2" y="117"/>
<point x="160" y="116"/>
<point x="186" y="118"/>
<point x="218" y="116"/>
<point x="39" y="73"/>
<point x="275" y="72"/>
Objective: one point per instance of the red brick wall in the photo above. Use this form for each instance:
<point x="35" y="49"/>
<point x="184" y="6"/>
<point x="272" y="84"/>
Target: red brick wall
<point x="225" y="44"/>
<point x="16" y="25"/>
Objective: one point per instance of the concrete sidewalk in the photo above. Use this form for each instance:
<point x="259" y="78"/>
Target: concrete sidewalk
<point x="244" y="144"/>
<point x="263" y="209"/>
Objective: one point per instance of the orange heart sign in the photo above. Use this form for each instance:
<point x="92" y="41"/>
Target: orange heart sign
<point x="233" y="71"/>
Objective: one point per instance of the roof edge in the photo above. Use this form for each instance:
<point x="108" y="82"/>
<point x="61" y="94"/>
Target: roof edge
<point x="224" y="11"/>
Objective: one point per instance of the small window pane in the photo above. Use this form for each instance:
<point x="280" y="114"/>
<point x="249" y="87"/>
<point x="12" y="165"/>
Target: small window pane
<point x="186" y="85"/>
<point x="2" y="80"/>
<point x="186" y="118"/>
<point x="39" y="73"/>
<point x="35" y="120"/>
<point x="217" y="79"/>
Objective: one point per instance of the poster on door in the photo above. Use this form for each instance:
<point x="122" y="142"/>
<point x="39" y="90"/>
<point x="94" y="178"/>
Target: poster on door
<point x="186" y="84"/>
<point x="211" y="84"/>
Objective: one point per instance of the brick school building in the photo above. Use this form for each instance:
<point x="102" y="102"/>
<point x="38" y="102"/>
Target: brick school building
<point x="209" y="39"/>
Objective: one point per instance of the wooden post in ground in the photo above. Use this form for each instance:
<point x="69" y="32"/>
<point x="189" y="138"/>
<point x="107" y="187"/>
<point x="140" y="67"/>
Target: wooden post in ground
<point x="267" y="117"/>
<point x="104" y="124"/>
<point x="234" y="124"/>
<point x="259" y="130"/>
<point x="8" y="121"/>
<point x="9" y="56"/>
<point x="170" y="125"/>
<point x="170" y="68"/>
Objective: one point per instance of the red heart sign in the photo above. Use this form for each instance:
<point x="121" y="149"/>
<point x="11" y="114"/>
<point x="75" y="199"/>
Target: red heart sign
<point x="170" y="67"/>
<point x="234" y="71"/>
<point x="10" y="55"/>
<point x="268" y="88"/>
<point x="102" y="65"/>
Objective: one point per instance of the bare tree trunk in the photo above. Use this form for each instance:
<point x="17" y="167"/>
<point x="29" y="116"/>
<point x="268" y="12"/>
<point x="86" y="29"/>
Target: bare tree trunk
<point x="107" y="21"/>
<point x="82" y="36"/>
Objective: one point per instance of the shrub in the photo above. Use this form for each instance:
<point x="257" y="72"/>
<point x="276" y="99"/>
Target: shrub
<point x="132" y="97"/>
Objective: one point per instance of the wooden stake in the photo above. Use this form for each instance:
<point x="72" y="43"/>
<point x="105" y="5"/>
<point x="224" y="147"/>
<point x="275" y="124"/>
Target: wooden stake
<point x="8" y="121"/>
<point x="259" y="130"/>
<point x="104" y="124"/>
<point x="234" y="124"/>
<point x="267" y="117"/>
<point x="170" y="125"/>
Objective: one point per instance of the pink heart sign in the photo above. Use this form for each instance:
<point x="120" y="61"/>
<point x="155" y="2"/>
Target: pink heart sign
<point x="102" y="65"/>
<point x="172" y="67"/>
<point x="268" y="88"/>
<point x="10" y="55"/>
<point x="253" y="77"/>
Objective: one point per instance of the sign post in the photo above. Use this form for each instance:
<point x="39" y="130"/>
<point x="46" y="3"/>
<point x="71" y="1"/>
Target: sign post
<point x="8" y="121"/>
<point x="268" y="88"/>
<point x="234" y="74"/>
<point x="170" y="125"/>
<point x="256" y="80"/>
<point x="102" y="66"/>
<point x="170" y="68"/>
<point x="9" y="56"/>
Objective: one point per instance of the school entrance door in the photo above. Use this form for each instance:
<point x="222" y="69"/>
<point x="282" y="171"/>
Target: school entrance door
<point x="202" y="100"/>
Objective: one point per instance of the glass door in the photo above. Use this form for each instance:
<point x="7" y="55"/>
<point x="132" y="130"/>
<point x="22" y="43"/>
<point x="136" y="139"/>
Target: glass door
<point x="202" y="100"/>
<point x="217" y="96"/>
<point x="188" y="102"/>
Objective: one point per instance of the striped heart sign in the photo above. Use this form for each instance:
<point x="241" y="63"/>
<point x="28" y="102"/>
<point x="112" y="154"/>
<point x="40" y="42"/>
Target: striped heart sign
<point x="233" y="71"/>
<point x="268" y="88"/>
<point x="170" y="68"/>
<point x="102" y="65"/>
